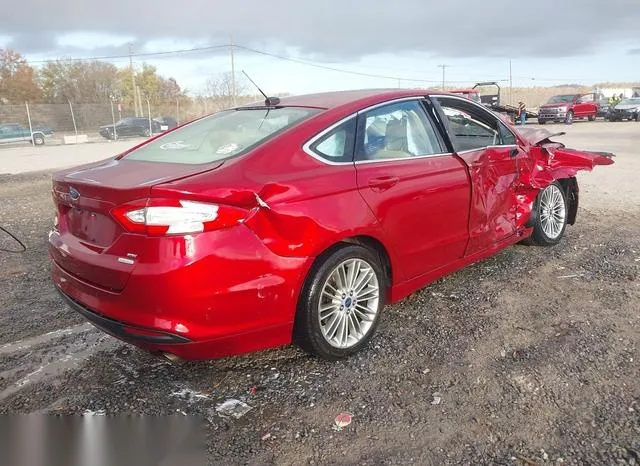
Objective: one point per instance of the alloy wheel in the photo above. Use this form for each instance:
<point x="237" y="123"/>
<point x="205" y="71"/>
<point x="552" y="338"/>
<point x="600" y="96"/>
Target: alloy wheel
<point x="348" y="303"/>
<point x="553" y="211"/>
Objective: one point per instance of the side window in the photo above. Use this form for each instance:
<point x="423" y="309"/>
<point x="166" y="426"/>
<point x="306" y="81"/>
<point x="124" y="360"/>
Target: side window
<point x="587" y="98"/>
<point x="337" y="145"/>
<point x="471" y="127"/>
<point x="507" y="137"/>
<point x="396" y="131"/>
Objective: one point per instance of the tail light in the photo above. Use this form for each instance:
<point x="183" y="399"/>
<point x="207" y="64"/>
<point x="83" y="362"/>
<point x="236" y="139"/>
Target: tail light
<point x="159" y="217"/>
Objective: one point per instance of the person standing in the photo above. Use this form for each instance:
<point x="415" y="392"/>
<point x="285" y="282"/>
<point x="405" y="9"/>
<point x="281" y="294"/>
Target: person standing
<point x="522" y="113"/>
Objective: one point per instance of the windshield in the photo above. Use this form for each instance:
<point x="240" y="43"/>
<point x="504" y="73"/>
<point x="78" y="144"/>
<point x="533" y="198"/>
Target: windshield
<point x="562" y="99"/>
<point x="630" y="102"/>
<point x="221" y="135"/>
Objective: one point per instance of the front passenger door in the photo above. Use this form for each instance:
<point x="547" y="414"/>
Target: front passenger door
<point x="490" y="151"/>
<point x="587" y="105"/>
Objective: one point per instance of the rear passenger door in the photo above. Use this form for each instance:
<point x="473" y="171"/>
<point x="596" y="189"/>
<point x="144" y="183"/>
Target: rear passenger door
<point x="418" y="191"/>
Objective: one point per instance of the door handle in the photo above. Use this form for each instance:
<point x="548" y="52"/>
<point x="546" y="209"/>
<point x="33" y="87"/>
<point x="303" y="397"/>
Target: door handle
<point x="383" y="182"/>
<point x="513" y="152"/>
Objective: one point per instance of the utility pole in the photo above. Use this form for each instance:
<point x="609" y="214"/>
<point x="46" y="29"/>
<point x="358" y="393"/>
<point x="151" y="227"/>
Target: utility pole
<point x="444" y="67"/>
<point x="233" y="72"/>
<point x="133" y="78"/>
<point x="510" y="85"/>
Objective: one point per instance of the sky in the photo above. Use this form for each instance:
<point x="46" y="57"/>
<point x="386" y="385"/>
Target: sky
<point x="403" y="43"/>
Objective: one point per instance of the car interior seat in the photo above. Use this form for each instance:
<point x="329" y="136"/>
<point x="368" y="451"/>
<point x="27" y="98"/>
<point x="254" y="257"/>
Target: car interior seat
<point x="395" y="140"/>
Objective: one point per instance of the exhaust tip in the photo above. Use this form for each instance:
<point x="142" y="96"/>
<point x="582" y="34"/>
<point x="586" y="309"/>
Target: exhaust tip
<point x="172" y="358"/>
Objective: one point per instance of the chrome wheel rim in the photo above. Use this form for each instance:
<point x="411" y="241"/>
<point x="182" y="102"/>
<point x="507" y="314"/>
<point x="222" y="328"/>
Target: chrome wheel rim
<point x="348" y="303"/>
<point x="552" y="211"/>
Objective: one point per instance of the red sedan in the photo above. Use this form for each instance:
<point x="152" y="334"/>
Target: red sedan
<point x="298" y="220"/>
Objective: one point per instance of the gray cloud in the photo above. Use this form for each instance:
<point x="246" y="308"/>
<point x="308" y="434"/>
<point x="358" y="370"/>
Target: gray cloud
<point x="634" y="52"/>
<point x="337" y="29"/>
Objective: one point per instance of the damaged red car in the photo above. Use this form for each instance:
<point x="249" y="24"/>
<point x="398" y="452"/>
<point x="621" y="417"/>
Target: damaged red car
<point x="297" y="220"/>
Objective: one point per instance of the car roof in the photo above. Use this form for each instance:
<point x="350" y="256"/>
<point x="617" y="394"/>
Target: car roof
<point x="356" y="98"/>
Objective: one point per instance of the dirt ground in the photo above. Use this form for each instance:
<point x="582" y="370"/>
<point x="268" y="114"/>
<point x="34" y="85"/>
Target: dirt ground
<point x="529" y="357"/>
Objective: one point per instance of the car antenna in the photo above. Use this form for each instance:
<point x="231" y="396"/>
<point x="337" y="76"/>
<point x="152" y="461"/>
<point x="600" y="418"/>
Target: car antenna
<point x="268" y="101"/>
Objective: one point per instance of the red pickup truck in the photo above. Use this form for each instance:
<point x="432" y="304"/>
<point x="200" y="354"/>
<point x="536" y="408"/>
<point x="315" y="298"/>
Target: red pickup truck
<point x="568" y="107"/>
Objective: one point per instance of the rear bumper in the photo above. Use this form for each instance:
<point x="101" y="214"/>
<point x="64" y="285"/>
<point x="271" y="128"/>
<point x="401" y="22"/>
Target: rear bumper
<point x="122" y="330"/>
<point x="232" y="298"/>
<point x="164" y="342"/>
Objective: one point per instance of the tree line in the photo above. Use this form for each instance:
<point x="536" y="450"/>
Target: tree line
<point x="82" y="81"/>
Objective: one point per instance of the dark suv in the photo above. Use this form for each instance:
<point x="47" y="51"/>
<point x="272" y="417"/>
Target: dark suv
<point x="130" y="127"/>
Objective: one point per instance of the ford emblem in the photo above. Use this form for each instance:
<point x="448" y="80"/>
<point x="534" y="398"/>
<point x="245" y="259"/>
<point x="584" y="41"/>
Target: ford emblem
<point x="74" y="194"/>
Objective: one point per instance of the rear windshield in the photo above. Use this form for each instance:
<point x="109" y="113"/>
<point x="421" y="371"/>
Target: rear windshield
<point x="562" y="99"/>
<point x="221" y="135"/>
<point x="630" y="102"/>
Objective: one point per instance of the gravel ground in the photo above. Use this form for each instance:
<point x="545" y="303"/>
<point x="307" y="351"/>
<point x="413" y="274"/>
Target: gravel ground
<point x="529" y="357"/>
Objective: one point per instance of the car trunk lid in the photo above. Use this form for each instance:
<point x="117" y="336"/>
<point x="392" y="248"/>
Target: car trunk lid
<point x="87" y="235"/>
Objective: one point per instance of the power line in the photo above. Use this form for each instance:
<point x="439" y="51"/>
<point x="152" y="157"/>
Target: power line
<point x="147" y="54"/>
<point x="331" y="68"/>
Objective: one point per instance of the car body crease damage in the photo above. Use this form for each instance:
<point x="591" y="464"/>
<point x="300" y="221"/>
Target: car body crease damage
<point x="549" y="161"/>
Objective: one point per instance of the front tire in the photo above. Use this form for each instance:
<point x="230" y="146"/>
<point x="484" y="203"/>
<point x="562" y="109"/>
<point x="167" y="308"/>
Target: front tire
<point x="592" y="118"/>
<point x="541" y="122"/>
<point x="38" y="140"/>
<point x="569" y="118"/>
<point x="340" y="304"/>
<point x="549" y="216"/>
<point x="146" y="132"/>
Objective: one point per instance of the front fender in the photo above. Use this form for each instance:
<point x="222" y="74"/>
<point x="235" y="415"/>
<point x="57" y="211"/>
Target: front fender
<point x="547" y="162"/>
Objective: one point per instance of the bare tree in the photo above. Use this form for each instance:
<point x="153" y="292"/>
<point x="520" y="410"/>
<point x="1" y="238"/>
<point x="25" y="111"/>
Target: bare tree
<point x="219" y="91"/>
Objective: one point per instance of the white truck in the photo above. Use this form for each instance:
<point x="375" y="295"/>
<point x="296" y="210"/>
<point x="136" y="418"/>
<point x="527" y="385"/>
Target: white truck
<point x="608" y="92"/>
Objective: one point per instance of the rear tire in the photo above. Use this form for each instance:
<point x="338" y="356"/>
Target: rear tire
<point x="146" y="132"/>
<point x="549" y="216"/>
<point x="541" y="122"/>
<point x="340" y="304"/>
<point x="592" y="118"/>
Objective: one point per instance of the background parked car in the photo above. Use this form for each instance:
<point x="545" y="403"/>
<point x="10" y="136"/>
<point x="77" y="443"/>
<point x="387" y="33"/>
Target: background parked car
<point x="603" y="108"/>
<point x="130" y="127"/>
<point x="166" y="122"/>
<point x="565" y="108"/>
<point x="626" y="109"/>
<point x="13" y="132"/>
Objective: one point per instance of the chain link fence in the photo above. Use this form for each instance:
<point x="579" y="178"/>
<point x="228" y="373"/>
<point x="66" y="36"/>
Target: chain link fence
<point x="81" y="122"/>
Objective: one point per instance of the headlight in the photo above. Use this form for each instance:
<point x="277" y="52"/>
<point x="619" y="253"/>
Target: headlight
<point x="564" y="109"/>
